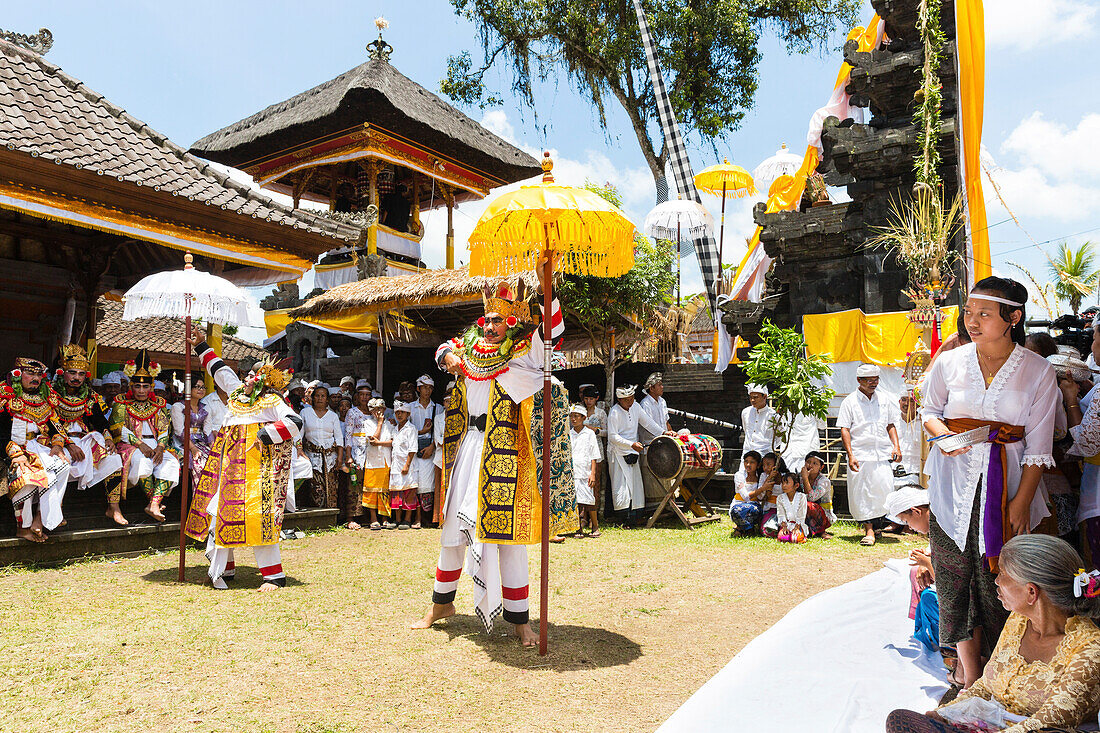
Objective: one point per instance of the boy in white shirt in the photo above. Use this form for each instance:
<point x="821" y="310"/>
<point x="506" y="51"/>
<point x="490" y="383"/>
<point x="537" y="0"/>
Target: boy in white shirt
<point x="403" y="498"/>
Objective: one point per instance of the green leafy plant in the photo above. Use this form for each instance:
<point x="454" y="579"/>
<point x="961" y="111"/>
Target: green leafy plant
<point x="1075" y="277"/>
<point x="792" y="375"/>
<point x="629" y="305"/>
<point x="929" y="96"/>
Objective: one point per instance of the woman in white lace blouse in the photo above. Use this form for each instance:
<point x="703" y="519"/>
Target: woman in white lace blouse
<point x="983" y="495"/>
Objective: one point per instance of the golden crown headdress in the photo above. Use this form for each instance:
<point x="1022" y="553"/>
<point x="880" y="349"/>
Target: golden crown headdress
<point x="141" y="368"/>
<point x="73" y="356"/>
<point x="270" y="371"/>
<point x="507" y="304"/>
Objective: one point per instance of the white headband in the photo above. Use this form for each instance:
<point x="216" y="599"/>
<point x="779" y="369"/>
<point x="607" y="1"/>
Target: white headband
<point x="996" y="299"/>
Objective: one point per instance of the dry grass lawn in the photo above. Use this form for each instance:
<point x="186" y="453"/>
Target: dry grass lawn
<point x="640" y="619"/>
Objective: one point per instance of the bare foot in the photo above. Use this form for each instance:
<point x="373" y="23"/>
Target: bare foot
<point x="29" y="535"/>
<point x="153" y="510"/>
<point x="354" y="525"/>
<point x="268" y="587"/>
<point x="115" y="515"/>
<point x="438" y="612"/>
<point x="39" y="529"/>
<point x="527" y="635"/>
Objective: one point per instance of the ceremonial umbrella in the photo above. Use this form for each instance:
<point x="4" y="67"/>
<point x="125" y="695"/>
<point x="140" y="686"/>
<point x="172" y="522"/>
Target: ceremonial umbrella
<point x="667" y="220"/>
<point x="783" y="163"/>
<point x="730" y="182"/>
<point x="187" y="294"/>
<point x="562" y="229"/>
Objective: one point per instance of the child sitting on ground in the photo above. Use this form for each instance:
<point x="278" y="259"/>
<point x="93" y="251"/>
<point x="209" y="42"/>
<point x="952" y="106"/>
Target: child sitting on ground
<point x="819" y="495"/>
<point x="790" y="508"/>
<point x="403" y="498"/>
<point x="772" y="468"/>
<point x="745" y="509"/>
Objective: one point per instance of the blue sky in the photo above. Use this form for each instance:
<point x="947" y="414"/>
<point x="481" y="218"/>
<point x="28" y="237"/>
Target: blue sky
<point x="190" y="68"/>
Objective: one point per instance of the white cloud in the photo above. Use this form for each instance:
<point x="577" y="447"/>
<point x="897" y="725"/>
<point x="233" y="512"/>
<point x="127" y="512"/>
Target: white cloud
<point x="496" y="122"/>
<point x="1028" y="24"/>
<point x="1046" y="170"/>
<point x="1055" y="149"/>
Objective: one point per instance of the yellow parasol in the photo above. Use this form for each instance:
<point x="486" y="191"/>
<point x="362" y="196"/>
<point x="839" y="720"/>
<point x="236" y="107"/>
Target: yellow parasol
<point x="730" y="182"/>
<point x="561" y="229"/>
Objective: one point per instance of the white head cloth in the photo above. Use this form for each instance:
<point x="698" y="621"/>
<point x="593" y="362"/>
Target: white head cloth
<point x="578" y="410"/>
<point x="623" y="392"/>
<point x="375" y="402"/>
<point x="97" y="382"/>
<point x="425" y="379"/>
<point x="112" y="378"/>
<point x="868" y="370"/>
<point x="652" y="380"/>
<point x="347" y="380"/>
<point x="996" y="299"/>
<point x="451" y="385"/>
<point x="399" y="406"/>
<point x="905" y="499"/>
<point x="158" y="385"/>
<point x="362" y="383"/>
<point x="758" y="388"/>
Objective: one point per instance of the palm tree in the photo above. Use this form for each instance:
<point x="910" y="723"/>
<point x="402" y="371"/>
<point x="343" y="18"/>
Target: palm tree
<point x="1074" y="274"/>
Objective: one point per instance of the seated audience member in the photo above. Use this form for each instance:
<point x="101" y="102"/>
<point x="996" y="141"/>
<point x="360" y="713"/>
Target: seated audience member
<point x="748" y="497"/>
<point x="790" y="511"/>
<point x="772" y="468"/>
<point x="819" y="495"/>
<point x="1046" y="665"/>
<point x="910" y="505"/>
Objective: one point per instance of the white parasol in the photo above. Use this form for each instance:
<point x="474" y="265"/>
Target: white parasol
<point x="187" y="294"/>
<point x="783" y="163"/>
<point x="672" y="219"/>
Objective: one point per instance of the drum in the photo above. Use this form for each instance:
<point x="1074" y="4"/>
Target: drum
<point x="693" y="453"/>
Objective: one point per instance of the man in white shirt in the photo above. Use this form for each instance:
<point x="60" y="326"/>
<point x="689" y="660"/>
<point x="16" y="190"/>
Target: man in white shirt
<point x="424" y="414"/>
<point x="910" y="437"/>
<point x="868" y="422"/>
<point x="758" y="421"/>
<point x="624" y="451"/>
<point x="653" y="404"/>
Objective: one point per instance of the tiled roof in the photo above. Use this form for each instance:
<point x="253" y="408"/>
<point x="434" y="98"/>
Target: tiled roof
<point x="158" y="334"/>
<point x="46" y="113"/>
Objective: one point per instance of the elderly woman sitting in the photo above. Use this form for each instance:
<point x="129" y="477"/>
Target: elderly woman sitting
<point x="1046" y="666"/>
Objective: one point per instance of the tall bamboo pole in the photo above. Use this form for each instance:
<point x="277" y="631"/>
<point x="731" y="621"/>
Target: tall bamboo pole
<point x="718" y="285"/>
<point x="185" y="473"/>
<point x="548" y="346"/>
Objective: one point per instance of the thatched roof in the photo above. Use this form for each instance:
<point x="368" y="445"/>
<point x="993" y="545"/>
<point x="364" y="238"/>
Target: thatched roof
<point x="431" y="289"/>
<point x="377" y="94"/>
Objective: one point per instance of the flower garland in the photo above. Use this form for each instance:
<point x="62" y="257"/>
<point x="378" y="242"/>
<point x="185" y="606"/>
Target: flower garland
<point x="929" y="97"/>
<point x="482" y="360"/>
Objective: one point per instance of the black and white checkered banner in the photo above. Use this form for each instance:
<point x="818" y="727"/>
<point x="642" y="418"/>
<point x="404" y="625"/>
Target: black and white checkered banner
<point x="706" y="249"/>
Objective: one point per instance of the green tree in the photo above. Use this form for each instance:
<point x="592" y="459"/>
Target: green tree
<point x="708" y="51"/>
<point x="1075" y="278"/>
<point x="792" y="376"/>
<point x="626" y="305"/>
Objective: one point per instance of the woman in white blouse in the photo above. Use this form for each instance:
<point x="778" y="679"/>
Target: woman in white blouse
<point x="323" y="441"/>
<point x="983" y="495"/>
<point x="201" y="432"/>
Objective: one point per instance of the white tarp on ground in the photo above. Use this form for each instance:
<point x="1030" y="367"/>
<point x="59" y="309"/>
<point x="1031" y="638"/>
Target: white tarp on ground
<point x="838" y="662"/>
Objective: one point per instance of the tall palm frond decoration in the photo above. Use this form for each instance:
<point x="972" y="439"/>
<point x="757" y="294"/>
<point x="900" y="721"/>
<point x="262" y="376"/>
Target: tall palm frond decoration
<point x="1075" y="278"/>
<point x="1042" y="293"/>
<point x="919" y="232"/>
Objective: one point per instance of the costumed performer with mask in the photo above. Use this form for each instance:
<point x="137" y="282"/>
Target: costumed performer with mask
<point x="492" y="449"/>
<point x="240" y="498"/>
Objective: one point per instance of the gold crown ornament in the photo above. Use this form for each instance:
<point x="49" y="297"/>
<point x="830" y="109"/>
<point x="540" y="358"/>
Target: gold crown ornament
<point x="140" y="369"/>
<point x="272" y="373"/>
<point x="512" y="306"/>
<point x="73" y="356"/>
<point x="26" y="365"/>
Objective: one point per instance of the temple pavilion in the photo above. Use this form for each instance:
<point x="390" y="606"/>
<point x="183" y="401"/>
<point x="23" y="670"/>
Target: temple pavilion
<point x="376" y="150"/>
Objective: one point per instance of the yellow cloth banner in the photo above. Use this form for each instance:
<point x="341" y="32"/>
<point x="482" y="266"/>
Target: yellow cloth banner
<point x="885" y="339"/>
<point x="351" y="323"/>
<point x="970" y="36"/>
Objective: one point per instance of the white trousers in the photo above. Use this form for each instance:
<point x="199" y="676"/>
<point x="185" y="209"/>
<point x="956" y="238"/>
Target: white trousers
<point x="423" y="470"/>
<point x="85" y="471"/>
<point x="223" y="565"/>
<point x="627" y="489"/>
<point x="868" y="488"/>
<point x="168" y="469"/>
<point x="50" y="498"/>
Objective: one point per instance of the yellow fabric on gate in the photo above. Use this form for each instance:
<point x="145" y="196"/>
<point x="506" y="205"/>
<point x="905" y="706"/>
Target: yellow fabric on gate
<point x="788" y="197"/>
<point x="886" y="339"/>
<point x="276" y="321"/>
<point x="970" y="37"/>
